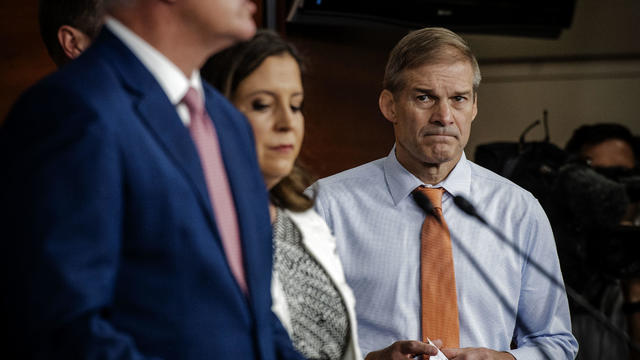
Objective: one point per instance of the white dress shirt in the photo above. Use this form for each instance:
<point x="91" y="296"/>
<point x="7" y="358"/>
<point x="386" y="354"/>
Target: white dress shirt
<point x="377" y="228"/>
<point x="172" y="80"/>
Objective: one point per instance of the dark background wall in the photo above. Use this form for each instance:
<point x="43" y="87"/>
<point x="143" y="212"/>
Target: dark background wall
<point x="343" y="81"/>
<point x="23" y="57"/>
<point x="591" y="73"/>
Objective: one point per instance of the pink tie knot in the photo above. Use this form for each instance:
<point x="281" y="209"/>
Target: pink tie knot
<point x="194" y="102"/>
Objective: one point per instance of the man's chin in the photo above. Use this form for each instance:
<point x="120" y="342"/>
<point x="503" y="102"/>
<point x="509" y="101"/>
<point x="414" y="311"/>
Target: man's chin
<point x="249" y="22"/>
<point x="239" y="34"/>
<point x="441" y="157"/>
<point x="245" y="31"/>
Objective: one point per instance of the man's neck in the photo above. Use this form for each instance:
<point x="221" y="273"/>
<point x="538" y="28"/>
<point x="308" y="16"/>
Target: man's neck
<point x="432" y="173"/>
<point x="428" y="173"/>
<point x="167" y="35"/>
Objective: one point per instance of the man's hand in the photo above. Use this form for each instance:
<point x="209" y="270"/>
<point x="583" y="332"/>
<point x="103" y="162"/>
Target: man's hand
<point x="476" y="354"/>
<point x="406" y="349"/>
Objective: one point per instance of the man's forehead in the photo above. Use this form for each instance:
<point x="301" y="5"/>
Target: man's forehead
<point x="460" y="65"/>
<point x="459" y="73"/>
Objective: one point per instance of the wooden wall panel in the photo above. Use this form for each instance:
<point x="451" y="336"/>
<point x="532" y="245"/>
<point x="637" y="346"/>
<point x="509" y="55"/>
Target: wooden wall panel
<point x="345" y="68"/>
<point x="343" y="80"/>
<point x="23" y="57"/>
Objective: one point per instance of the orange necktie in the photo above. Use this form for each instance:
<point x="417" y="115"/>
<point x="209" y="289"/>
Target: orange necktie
<point x="437" y="276"/>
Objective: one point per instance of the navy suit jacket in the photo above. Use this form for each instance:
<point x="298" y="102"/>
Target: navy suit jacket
<point x="110" y="247"/>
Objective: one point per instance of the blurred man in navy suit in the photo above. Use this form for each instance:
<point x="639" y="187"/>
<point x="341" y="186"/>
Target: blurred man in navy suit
<point x="114" y="243"/>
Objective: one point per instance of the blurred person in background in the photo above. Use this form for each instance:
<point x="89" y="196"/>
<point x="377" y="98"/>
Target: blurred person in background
<point x="608" y="149"/>
<point x="68" y="27"/>
<point x="134" y="217"/>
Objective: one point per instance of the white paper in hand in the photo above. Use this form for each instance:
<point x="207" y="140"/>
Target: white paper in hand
<point x="440" y="355"/>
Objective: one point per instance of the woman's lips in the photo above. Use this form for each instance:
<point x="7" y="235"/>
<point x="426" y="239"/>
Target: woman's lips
<point x="282" y="148"/>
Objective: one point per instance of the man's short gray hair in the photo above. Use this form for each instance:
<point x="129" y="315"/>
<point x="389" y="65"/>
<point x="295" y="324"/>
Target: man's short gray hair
<point x="427" y="46"/>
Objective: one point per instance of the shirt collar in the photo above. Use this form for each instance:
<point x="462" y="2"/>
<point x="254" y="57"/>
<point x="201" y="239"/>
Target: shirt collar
<point x="171" y="79"/>
<point x="401" y="182"/>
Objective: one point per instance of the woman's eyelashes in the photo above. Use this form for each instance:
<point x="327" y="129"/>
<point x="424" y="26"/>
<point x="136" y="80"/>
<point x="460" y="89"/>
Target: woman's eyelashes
<point x="259" y="105"/>
<point x="297" y="108"/>
<point x="264" y="105"/>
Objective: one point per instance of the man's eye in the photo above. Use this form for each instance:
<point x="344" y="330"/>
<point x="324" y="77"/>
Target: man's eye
<point x="423" y="98"/>
<point x="459" y="98"/>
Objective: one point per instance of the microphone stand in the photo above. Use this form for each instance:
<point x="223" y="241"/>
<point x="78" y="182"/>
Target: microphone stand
<point x="464" y="205"/>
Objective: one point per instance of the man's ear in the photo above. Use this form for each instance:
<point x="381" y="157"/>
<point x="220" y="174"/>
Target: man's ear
<point x="475" y="105"/>
<point x="72" y="41"/>
<point x="387" y="105"/>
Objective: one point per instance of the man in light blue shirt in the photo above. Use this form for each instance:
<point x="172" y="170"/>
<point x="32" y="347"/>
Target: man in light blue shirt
<point x="507" y="309"/>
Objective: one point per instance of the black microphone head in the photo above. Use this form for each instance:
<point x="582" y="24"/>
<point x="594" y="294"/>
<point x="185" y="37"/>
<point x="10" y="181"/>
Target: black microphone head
<point x="423" y="201"/>
<point x="464" y="205"/>
<point x="468" y="208"/>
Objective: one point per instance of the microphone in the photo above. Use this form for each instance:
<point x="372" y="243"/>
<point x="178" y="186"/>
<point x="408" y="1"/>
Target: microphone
<point x="425" y="204"/>
<point x="423" y="201"/>
<point x="468" y="208"/>
<point x="464" y="205"/>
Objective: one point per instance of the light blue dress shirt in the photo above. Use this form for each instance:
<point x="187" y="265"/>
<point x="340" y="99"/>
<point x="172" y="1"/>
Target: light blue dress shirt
<point x="377" y="225"/>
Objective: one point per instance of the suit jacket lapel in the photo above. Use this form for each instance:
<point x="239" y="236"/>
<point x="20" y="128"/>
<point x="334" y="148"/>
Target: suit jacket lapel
<point x="162" y="120"/>
<point x="159" y="115"/>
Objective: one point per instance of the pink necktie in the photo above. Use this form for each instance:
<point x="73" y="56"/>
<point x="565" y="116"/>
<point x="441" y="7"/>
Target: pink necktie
<point x="206" y="140"/>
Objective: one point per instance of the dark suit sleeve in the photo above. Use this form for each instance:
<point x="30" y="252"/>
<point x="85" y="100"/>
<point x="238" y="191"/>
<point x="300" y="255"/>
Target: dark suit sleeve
<point x="62" y="216"/>
<point x="284" y="347"/>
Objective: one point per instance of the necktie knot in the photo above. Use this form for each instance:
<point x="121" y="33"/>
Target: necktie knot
<point x="433" y="194"/>
<point x="194" y="102"/>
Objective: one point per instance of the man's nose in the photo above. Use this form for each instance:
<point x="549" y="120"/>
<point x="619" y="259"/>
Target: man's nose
<point x="442" y="113"/>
